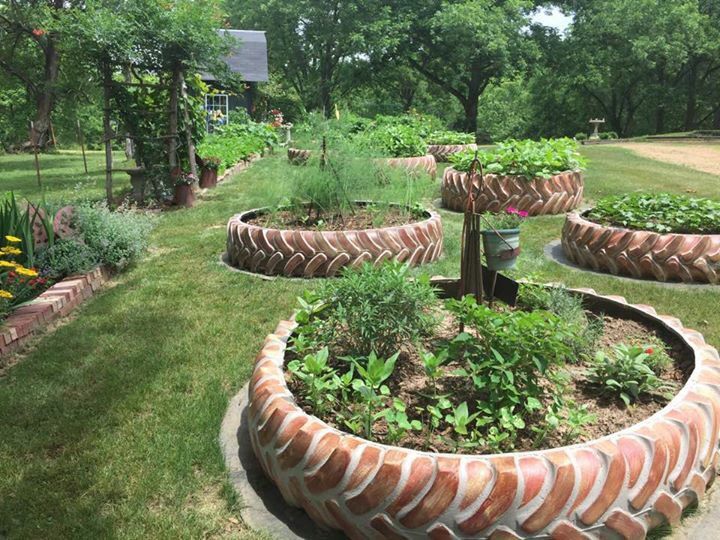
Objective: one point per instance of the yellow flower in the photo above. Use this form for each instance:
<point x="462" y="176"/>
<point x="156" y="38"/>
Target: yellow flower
<point x="26" y="271"/>
<point x="13" y="239"/>
<point x="7" y="264"/>
<point x="9" y="250"/>
<point x="5" y="294"/>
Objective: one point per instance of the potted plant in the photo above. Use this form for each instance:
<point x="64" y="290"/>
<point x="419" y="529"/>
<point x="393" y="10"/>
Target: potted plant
<point x="209" y="174"/>
<point x="501" y="240"/>
<point x="184" y="194"/>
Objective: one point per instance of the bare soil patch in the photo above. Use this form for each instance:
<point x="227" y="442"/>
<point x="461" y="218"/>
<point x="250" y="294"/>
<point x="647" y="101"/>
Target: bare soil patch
<point x="361" y="218"/>
<point x="701" y="156"/>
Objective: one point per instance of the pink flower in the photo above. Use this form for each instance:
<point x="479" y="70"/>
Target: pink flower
<point x="511" y="210"/>
<point x="523" y="214"/>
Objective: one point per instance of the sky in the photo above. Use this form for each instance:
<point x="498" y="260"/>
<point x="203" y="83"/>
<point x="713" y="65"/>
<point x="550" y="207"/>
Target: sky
<point x="552" y="17"/>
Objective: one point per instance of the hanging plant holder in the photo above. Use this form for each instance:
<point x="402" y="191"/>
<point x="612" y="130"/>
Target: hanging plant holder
<point x="502" y="248"/>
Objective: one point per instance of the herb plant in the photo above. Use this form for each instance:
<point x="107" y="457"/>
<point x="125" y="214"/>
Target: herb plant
<point x="661" y="212"/>
<point x="528" y="159"/>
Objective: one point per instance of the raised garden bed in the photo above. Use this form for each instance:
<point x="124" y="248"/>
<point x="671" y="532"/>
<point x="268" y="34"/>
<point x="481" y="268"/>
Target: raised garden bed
<point x="56" y="302"/>
<point x="322" y="253"/>
<point x="691" y="258"/>
<point x="298" y="156"/>
<point x="620" y="485"/>
<point x="539" y="196"/>
<point x="442" y="152"/>
<point x="425" y="163"/>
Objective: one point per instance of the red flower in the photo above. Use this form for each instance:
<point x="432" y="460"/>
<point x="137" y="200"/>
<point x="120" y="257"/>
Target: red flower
<point x="649" y="350"/>
<point x="37" y="32"/>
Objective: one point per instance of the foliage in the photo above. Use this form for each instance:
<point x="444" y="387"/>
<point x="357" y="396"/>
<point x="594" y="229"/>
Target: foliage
<point x="65" y="258"/>
<point x="627" y="372"/>
<point x="661" y="212"/>
<point x="117" y="239"/>
<point x="511" y="218"/>
<point x="580" y="136"/>
<point x="375" y="309"/>
<point x="230" y="150"/>
<point x="528" y="159"/>
<point x="450" y="137"/>
<point x="19" y="221"/>
<point x="395" y="140"/>
<point x="17" y="283"/>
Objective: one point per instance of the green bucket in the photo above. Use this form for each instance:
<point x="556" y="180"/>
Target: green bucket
<point x="501" y="248"/>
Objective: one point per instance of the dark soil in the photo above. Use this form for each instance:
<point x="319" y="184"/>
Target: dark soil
<point x="410" y="384"/>
<point x="361" y="218"/>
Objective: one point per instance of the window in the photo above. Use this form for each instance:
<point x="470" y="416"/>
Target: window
<point x="216" y="109"/>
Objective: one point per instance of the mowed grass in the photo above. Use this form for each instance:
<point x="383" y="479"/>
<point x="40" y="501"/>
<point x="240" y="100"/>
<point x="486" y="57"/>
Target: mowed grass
<point x="109" y="425"/>
<point x="62" y="176"/>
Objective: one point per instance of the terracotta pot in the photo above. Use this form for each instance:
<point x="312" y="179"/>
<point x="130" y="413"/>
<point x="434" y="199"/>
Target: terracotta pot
<point x="324" y="253"/>
<point x="617" y="486"/>
<point x="184" y="195"/>
<point x="556" y="195"/>
<point x="208" y="178"/>
<point x="692" y="258"/>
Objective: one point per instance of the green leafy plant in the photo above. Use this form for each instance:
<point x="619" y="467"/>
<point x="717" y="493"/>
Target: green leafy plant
<point x="511" y="218"/>
<point x="319" y="380"/>
<point x="18" y="221"/>
<point x="370" y="388"/>
<point x="581" y="136"/>
<point x="398" y="423"/>
<point x="433" y="363"/>
<point x="393" y="140"/>
<point x="65" y="258"/>
<point x="625" y="373"/>
<point x="460" y="419"/>
<point x="659" y="212"/>
<point x="450" y="137"/>
<point x="375" y="309"/>
<point x="528" y="159"/>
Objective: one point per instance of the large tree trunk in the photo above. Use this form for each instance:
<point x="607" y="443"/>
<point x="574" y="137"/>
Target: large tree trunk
<point x="716" y="118"/>
<point x="45" y="97"/>
<point x="470" y="106"/>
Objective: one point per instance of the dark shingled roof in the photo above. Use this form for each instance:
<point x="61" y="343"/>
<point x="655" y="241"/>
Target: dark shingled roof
<point x="248" y="57"/>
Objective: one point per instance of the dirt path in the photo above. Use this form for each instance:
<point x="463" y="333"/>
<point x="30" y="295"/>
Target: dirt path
<point x="701" y="156"/>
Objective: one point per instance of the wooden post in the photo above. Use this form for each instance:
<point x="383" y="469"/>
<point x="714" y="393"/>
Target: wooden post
<point x="188" y="127"/>
<point x="81" y="140"/>
<point x="173" y="119"/>
<point x="107" y="134"/>
<point x="52" y="135"/>
<point x="35" y="151"/>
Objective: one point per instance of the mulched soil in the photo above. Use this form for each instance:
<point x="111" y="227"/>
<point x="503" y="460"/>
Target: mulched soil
<point x="361" y="218"/>
<point x="410" y="384"/>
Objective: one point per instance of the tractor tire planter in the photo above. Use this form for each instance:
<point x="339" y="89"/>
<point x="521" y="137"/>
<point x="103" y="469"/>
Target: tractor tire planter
<point x="425" y="163"/>
<point x="690" y="258"/>
<point x="501" y="248"/>
<point x="617" y="486"/>
<point x="307" y="253"/>
<point x="442" y="152"/>
<point x="556" y="195"/>
<point x="297" y="156"/>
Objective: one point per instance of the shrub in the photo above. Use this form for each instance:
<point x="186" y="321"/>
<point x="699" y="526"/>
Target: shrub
<point x="393" y="140"/>
<point x="626" y="373"/>
<point x="375" y="309"/>
<point x="18" y="221"/>
<point x="581" y="136"/>
<point x="662" y="213"/>
<point x="527" y="158"/>
<point x="450" y="137"/>
<point x="612" y="135"/>
<point x="115" y="238"/>
<point x="65" y="258"/>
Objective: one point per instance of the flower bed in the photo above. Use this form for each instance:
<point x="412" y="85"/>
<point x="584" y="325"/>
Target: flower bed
<point x="691" y="258"/>
<point x="621" y="484"/>
<point x="56" y="302"/>
<point x="539" y="196"/>
<point x="442" y="152"/>
<point x="316" y="253"/>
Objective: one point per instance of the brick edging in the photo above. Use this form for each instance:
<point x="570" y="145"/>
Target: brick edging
<point x="53" y="304"/>
<point x="619" y="485"/>
<point x="239" y="166"/>
<point x="690" y="258"/>
<point x="556" y="195"/>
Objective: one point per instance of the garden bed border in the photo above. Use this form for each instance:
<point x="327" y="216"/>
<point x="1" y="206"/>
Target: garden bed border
<point x="442" y="152"/>
<point x="690" y="258"/>
<point x="621" y="484"/>
<point x="556" y="195"/>
<point x="54" y="303"/>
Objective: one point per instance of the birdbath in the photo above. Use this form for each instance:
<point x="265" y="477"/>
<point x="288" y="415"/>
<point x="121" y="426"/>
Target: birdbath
<point x="137" y="179"/>
<point x="596" y="122"/>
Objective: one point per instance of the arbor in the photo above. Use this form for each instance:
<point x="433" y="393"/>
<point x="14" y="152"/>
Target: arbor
<point x="461" y="46"/>
<point x="316" y="44"/>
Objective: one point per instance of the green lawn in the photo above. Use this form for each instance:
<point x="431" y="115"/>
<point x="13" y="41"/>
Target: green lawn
<point x="109" y="426"/>
<point x="62" y="175"/>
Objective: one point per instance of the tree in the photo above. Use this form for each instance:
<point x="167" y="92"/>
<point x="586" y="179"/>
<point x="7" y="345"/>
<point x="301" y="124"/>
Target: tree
<point x="315" y="44"/>
<point x="461" y="46"/>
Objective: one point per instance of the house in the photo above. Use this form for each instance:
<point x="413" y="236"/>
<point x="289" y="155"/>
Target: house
<point x="248" y="58"/>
